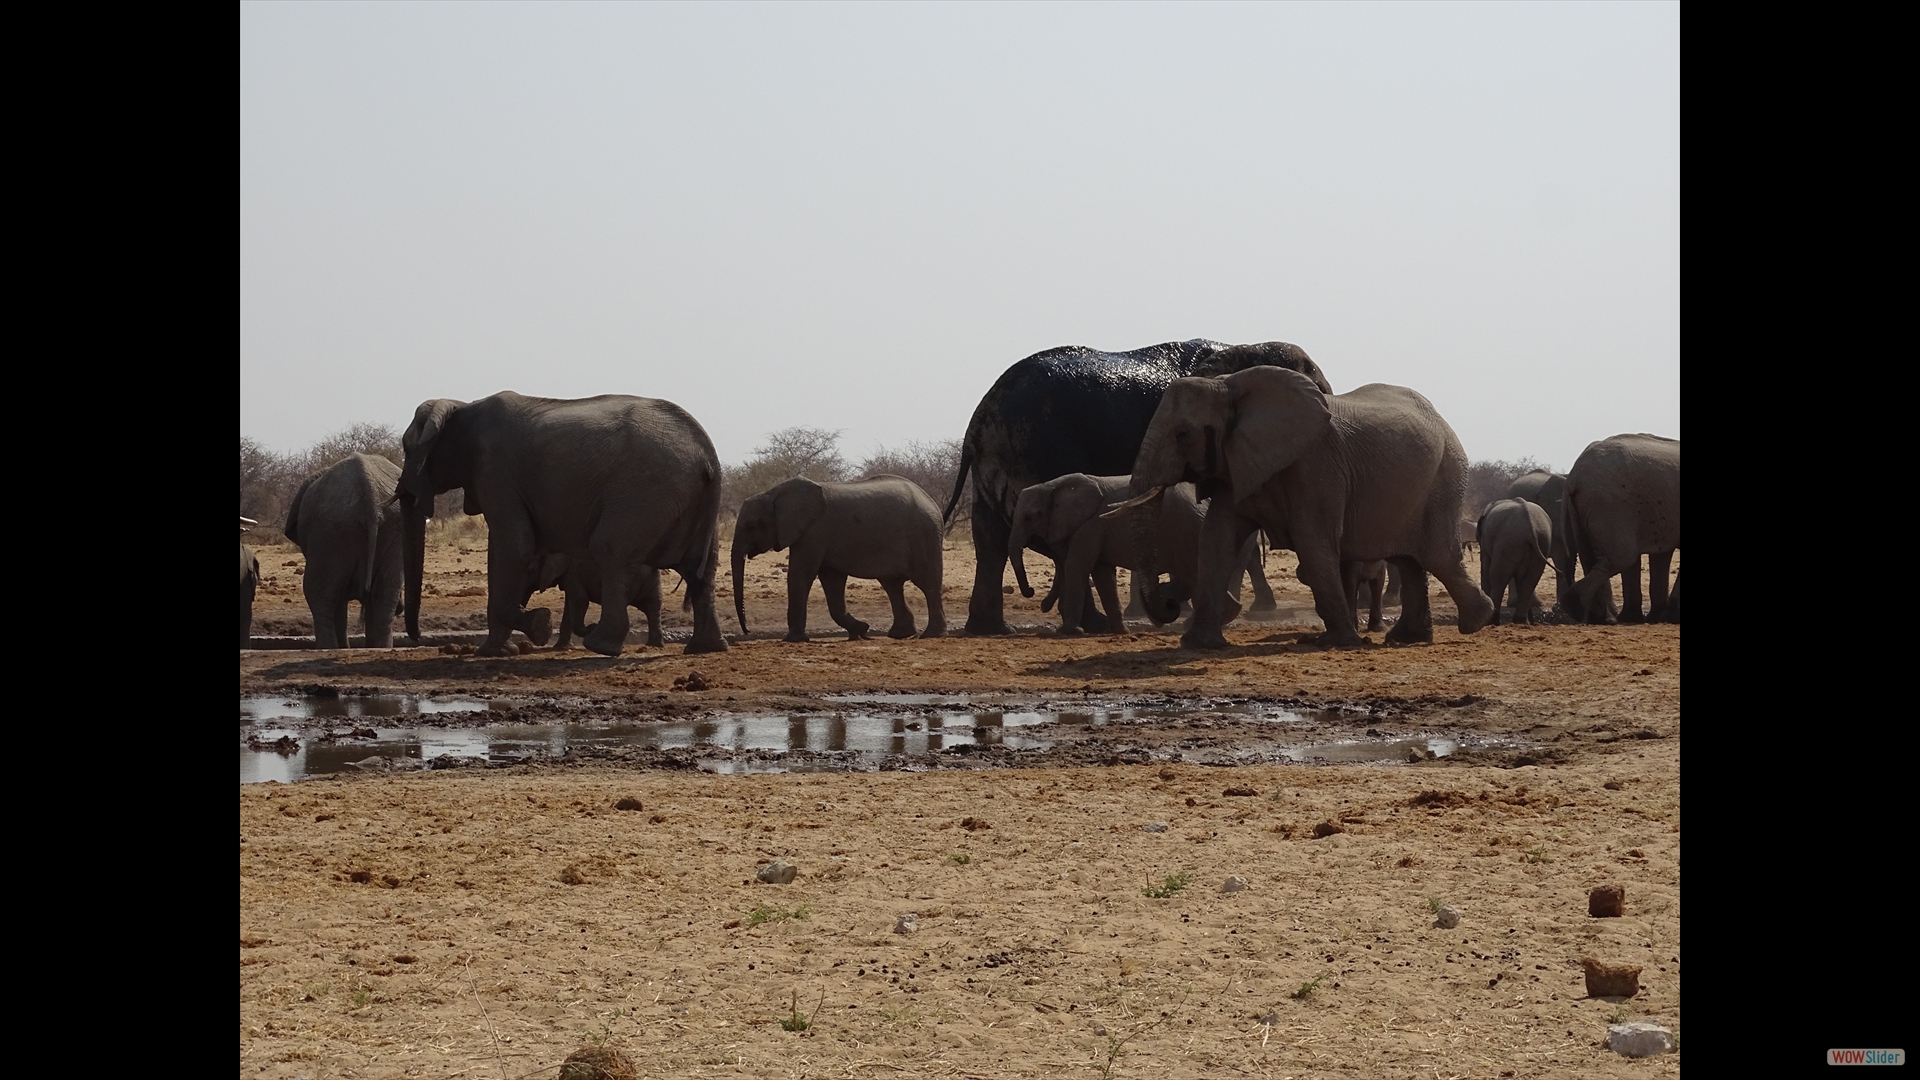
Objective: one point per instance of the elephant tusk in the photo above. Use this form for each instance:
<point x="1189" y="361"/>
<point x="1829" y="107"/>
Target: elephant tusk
<point x="1142" y="500"/>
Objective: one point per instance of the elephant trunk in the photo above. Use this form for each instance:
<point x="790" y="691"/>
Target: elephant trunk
<point x="739" y="583"/>
<point x="1162" y="602"/>
<point x="413" y="517"/>
<point x="1017" y="550"/>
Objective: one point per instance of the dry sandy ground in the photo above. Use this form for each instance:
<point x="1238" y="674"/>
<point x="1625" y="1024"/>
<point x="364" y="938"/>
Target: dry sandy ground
<point x="489" y="922"/>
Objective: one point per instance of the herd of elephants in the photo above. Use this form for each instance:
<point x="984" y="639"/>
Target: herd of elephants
<point x="1170" y="461"/>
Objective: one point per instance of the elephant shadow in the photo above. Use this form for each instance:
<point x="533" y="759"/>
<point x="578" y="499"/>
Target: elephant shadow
<point x="1147" y="663"/>
<point x="456" y="667"/>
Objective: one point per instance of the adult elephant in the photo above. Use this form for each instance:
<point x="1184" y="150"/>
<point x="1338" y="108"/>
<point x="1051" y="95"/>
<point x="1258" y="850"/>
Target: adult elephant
<point x="616" y="481"/>
<point x="1622" y="502"/>
<point x="1075" y="410"/>
<point x="1371" y="474"/>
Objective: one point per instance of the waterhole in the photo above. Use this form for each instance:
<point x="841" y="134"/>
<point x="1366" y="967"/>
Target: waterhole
<point x="360" y="734"/>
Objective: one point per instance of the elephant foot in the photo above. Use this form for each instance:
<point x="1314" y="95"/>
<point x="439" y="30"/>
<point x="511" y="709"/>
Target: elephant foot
<point x="934" y="630"/>
<point x="1476" y="616"/>
<point x="1409" y="632"/>
<point x="605" y="646"/>
<point x="490" y="649"/>
<point x="798" y="637"/>
<point x="1633" y="618"/>
<point x="984" y="628"/>
<point x="654" y="640"/>
<point x="901" y="631"/>
<point x="537" y="624"/>
<point x="1204" y="639"/>
<point x="1069" y="631"/>
<point x="1374" y="626"/>
<point x="1264" y="603"/>
<point x="715" y="643"/>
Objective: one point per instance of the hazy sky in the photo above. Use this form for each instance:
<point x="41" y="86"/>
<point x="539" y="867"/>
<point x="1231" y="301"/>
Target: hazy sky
<point x="856" y="216"/>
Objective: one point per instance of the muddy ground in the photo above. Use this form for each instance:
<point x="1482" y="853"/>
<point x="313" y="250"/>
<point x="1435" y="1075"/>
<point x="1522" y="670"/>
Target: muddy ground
<point x="488" y="922"/>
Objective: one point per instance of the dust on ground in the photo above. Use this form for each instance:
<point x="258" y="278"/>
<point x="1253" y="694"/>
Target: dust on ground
<point x="490" y="922"/>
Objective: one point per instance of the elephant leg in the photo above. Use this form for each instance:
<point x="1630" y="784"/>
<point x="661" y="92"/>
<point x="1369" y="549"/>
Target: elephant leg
<point x="1526" y="596"/>
<point x="573" y="617"/>
<point x="1107" y="583"/>
<point x="650" y="607"/>
<point x="1070" y="582"/>
<point x="246" y="615"/>
<point x="1658" y="564"/>
<point x="1673" y="601"/>
<point x="1631" y="613"/>
<point x="1092" y="618"/>
<point x="1136" y="607"/>
<point x="1593" y="593"/>
<point x="1322" y="571"/>
<point x="1416" y="616"/>
<point x="1391" y="597"/>
<point x="1378" y="587"/>
<point x="799" y="588"/>
<point x="1221" y="534"/>
<point x="699" y="575"/>
<point x="1257" y="570"/>
<point x="834" y="584"/>
<point x="896" y="590"/>
<point x="986" y="610"/>
<point x="510" y="550"/>
<point x="929" y="585"/>
<point x="329" y="623"/>
<point x="1350" y="581"/>
<point x="1475" y="609"/>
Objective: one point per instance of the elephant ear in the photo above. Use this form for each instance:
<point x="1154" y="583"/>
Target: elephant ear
<point x="1278" y="415"/>
<point x="1074" y="504"/>
<point x="417" y="443"/>
<point x="797" y="504"/>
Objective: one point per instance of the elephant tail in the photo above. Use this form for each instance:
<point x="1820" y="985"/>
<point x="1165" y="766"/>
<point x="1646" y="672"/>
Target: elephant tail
<point x="959" y="485"/>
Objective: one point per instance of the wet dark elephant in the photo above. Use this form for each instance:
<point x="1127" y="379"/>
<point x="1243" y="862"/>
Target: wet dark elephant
<point x="1075" y="410"/>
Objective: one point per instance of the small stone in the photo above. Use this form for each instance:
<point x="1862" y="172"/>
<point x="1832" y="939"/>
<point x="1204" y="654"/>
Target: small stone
<point x="1272" y="1018"/>
<point x="1642" y="1038"/>
<point x="1168" y="774"/>
<point x="1240" y="792"/>
<point x="572" y="876"/>
<point x="907" y="924"/>
<point x="1610" y="980"/>
<point x="1326" y="829"/>
<point x="974" y="824"/>
<point x="1233" y="885"/>
<point x="628" y="803"/>
<point x="1449" y="917"/>
<point x="1158" y="826"/>
<point x="1607" y="902"/>
<point x="1006" y="590"/>
<point x="1099" y="1029"/>
<point x="777" y="873"/>
<point x="525" y="647"/>
<point x="597" y="1063"/>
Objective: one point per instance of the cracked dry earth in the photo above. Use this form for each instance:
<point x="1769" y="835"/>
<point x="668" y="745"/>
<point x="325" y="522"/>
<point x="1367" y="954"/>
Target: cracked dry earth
<point x="489" y="922"/>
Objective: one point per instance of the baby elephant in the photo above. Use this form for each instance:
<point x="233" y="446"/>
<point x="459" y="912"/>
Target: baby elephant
<point x="579" y="580"/>
<point x="1064" y="514"/>
<point x="883" y="527"/>
<point x="1514" y="536"/>
<point x="1364" y="579"/>
<point x="345" y="521"/>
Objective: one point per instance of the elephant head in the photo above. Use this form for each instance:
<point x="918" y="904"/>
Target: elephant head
<point x="1228" y="436"/>
<point x="1051" y="513"/>
<point x="437" y="460"/>
<point x="772" y="521"/>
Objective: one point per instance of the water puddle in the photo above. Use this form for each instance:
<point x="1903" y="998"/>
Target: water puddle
<point x="278" y="740"/>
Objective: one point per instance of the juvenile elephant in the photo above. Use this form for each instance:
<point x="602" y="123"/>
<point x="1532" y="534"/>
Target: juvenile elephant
<point x="883" y="527"/>
<point x="615" y="481"/>
<point x="1368" y="580"/>
<point x="249" y="581"/>
<point x="1371" y="474"/>
<point x="1065" y="514"/>
<point x="580" y="582"/>
<point x="1515" y="536"/>
<point x="1623" y="501"/>
<point x="346" y="523"/>
<point x="1546" y="490"/>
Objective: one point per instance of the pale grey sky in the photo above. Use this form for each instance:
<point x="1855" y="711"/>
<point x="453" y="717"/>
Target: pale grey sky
<point x="856" y="216"/>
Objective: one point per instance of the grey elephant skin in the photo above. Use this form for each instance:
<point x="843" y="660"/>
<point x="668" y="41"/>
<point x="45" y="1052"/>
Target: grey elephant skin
<point x="1065" y="513"/>
<point x="1067" y="410"/>
<point x="580" y="583"/>
<point x="1547" y="490"/>
<point x="249" y="581"/>
<point x="1622" y="502"/>
<point x="345" y="521"/>
<point x="614" y="481"/>
<point x="1375" y="473"/>
<point x="883" y="527"/>
<point x="1367" y="580"/>
<point x="1514" y="537"/>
